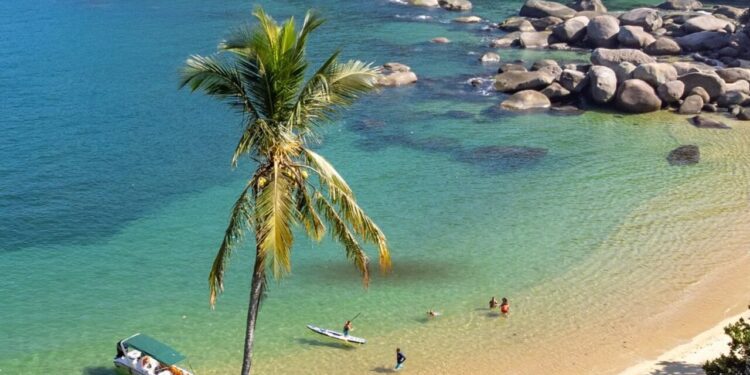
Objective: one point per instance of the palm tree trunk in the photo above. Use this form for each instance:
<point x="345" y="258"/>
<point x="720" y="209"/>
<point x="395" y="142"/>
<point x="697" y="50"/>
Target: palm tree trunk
<point x="257" y="286"/>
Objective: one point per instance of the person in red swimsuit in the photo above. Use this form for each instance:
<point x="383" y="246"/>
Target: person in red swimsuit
<point x="505" y="307"/>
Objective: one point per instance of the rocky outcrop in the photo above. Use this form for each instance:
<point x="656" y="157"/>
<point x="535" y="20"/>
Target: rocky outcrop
<point x="707" y="123"/>
<point x="545" y="23"/>
<point x="732" y="98"/>
<point x="423" y="3"/>
<point x="572" y="30"/>
<point x="396" y="74"/>
<point x="613" y="57"/>
<point x="647" y="18"/>
<point x="440" y="40"/>
<point x="671" y="92"/>
<point x="516" y="81"/>
<point x="637" y="96"/>
<point x="729" y="11"/>
<point x="602" y="84"/>
<point x="634" y="37"/>
<point x="592" y="5"/>
<point x="681" y="5"/>
<point x="542" y="8"/>
<point x="555" y="92"/>
<point x="732" y="75"/>
<point x="525" y="100"/>
<point x="704" y="40"/>
<point x="684" y="155"/>
<point x="712" y="83"/>
<point x="602" y="31"/>
<point x="510" y="40"/>
<point x="655" y="73"/>
<point x="468" y="19"/>
<point x="456" y="5"/>
<point x="663" y="46"/>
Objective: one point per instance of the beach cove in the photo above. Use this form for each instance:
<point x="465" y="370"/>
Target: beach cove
<point x="117" y="188"/>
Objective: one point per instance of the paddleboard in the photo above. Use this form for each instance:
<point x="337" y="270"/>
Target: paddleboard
<point x="336" y="335"/>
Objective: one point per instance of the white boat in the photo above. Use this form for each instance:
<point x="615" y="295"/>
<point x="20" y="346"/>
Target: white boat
<point x="336" y="335"/>
<point x="143" y="355"/>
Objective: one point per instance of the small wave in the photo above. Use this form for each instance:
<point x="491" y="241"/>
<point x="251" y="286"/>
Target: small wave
<point x="402" y="2"/>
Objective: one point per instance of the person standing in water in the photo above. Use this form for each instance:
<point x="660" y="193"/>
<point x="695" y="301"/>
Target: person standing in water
<point x="400" y="359"/>
<point x="505" y="307"/>
<point x="493" y="302"/>
<point x="347" y="327"/>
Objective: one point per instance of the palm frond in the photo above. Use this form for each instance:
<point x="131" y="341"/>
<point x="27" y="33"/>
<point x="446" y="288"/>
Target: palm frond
<point x="342" y="234"/>
<point x="274" y="213"/>
<point x="326" y="171"/>
<point x="240" y="220"/>
<point x="308" y="215"/>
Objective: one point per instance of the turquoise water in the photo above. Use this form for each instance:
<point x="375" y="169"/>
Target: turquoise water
<point x="116" y="186"/>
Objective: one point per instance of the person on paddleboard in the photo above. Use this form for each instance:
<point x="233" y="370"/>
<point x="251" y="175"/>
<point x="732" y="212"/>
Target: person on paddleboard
<point x="400" y="359"/>
<point x="505" y="307"/>
<point x="347" y="327"/>
<point x="493" y="302"/>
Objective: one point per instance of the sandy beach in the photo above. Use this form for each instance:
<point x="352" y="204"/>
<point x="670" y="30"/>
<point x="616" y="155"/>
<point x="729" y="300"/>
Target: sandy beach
<point x="689" y="357"/>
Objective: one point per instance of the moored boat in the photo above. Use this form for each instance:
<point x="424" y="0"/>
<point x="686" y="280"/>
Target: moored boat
<point x="143" y="355"/>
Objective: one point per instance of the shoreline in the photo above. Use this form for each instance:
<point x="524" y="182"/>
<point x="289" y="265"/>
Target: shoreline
<point x="691" y="355"/>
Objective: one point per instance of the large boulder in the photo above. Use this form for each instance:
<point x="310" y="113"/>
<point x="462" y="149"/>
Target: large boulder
<point x="731" y="98"/>
<point x="729" y="11"/>
<point x="602" y="84"/>
<point x="423" y="3"/>
<point x="516" y="24"/>
<point x="396" y="74"/>
<point x="490" y="57"/>
<point x="572" y="30"/>
<point x="634" y="37"/>
<point x="509" y="40"/>
<point x="637" y="96"/>
<point x="681" y="5"/>
<point x="516" y="81"/>
<point x="671" y="92"/>
<point x="707" y="123"/>
<point x="613" y="57"/>
<point x="602" y="31"/>
<point x="573" y="80"/>
<point x="663" y="46"/>
<point x="692" y="105"/>
<point x="731" y="75"/>
<point x="535" y="39"/>
<point x="456" y="5"/>
<point x="624" y="71"/>
<point x="655" y="73"/>
<point x="555" y="92"/>
<point x="684" y="155"/>
<point x="707" y="23"/>
<point x="700" y="91"/>
<point x="542" y="8"/>
<point x="468" y="19"/>
<point x="739" y="86"/>
<point x="704" y="40"/>
<point x="685" y="67"/>
<point x="525" y="100"/>
<point x="712" y="83"/>
<point x="647" y="18"/>
<point x="592" y="5"/>
<point x="512" y="67"/>
<point x="545" y="23"/>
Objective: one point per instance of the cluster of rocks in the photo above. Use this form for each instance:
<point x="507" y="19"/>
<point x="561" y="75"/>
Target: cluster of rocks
<point x="640" y="60"/>
<point x="395" y="74"/>
<point x="455" y="5"/>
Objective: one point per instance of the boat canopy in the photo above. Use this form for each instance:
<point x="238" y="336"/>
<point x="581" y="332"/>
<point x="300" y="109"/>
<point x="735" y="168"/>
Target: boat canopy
<point x="149" y="345"/>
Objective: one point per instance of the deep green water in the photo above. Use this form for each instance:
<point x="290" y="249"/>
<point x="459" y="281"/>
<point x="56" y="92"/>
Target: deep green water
<point x="115" y="187"/>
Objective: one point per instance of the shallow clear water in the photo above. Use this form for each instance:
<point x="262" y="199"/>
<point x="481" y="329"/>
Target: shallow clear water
<point x="116" y="187"/>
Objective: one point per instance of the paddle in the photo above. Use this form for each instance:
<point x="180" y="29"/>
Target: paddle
<point x="355" y="317"/>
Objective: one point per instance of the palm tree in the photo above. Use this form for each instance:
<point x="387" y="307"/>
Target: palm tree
<point x="261" y="72"/>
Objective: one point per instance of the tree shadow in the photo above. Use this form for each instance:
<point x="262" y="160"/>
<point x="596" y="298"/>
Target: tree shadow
<point x="98" y="371"/>
<point x="383" y="370"/>
<point x="677" y="368"/>
<point x="334" y="345"/>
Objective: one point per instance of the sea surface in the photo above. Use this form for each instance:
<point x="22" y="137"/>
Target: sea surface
<point x="115" y="189"/>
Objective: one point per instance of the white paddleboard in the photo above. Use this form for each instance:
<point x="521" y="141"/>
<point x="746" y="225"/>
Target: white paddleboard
<point x="336" y="335"/>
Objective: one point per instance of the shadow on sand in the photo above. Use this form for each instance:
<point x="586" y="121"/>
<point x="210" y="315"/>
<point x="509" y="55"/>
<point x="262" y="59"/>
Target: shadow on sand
<point x="334" y="345"/>
<point x="677" y="368"/>
<point x="383" y="370"/>
<point x="98" y="371"/>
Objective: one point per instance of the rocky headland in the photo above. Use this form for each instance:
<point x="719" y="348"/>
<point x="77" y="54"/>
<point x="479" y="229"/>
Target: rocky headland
<point x="680" y="56"/>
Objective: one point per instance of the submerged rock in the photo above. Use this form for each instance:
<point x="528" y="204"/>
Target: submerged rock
<point x="516" y="81"/>
<point x="396" y="74"/>
<point x="684" y="155"/>
<point x="525" y="100"/>
<point x="456" y="5"/>
<point x="707" y="123"/>
<point x="500" y="159"/>
<point x="490" y="57"/>
<point x="467" y="19"/>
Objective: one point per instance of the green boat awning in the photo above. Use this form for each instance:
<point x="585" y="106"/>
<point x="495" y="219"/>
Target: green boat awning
<point x="149" y="345"/>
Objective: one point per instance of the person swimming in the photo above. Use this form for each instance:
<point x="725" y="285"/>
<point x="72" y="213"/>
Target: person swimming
<point x="505" y="307"/>
<point x="432" y="314"/>
<point x="347" y="327"/>
<point x="493" y="303"/>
